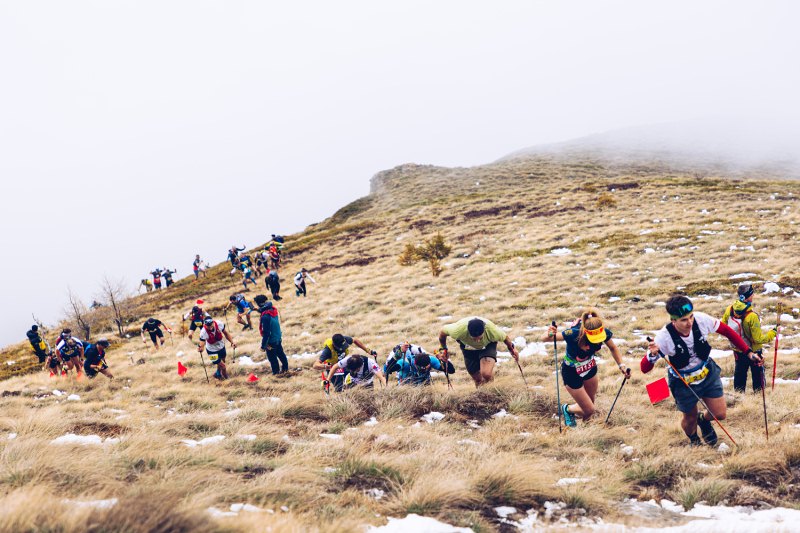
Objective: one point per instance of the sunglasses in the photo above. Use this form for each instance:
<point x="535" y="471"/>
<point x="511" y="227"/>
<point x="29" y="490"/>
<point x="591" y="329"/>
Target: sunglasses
<point x="683" y="310"/>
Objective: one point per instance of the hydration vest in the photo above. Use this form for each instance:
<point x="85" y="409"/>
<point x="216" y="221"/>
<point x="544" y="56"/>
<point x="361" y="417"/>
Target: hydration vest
<point x="215" y="337"/>
<point x="701" y="346"/>
<point x="737" y="324"/>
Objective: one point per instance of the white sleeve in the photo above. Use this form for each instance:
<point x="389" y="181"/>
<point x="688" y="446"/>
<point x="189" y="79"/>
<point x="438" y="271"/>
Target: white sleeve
<point x="374" y="365"/>
<point x="706" y="323"/>
<point x="343" y="362"/>
<point x="664" y="342"/>
<point x="309" y="277"/>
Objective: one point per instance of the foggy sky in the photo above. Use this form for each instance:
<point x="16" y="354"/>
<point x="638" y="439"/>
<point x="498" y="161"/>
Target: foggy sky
<point x="136" y="134"/>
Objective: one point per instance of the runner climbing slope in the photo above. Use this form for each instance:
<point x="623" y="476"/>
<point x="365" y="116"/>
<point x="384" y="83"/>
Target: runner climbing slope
<point x="271" y="336"/>
<point x="478" y="340"/>
<point x="742" y="319"/>
<point x="413" y="364"/>
<point x="212" y="338"/>
<point x="584" y="338"/>
<point x="684" y="343"/>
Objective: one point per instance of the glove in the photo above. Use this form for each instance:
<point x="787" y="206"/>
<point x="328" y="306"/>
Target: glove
<point x="397" y="355"/>
<point x="325" y="383"/>
<point x="373" y="352"/>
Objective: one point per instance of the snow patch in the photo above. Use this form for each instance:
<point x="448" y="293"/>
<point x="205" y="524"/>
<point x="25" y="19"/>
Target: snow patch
<point x="93" y="504"/>
<point x="191" y="443"/>
<point x="770" y="287"/>
<point x="330" y="436"/>
<point x="565" y="481"/>
<point x="560" y="251"/>
<point x="83" y="440"/>
<point x="247" y="361"/>
<point x="73" y="398"/>
<point x="417" y="524"/>
<point x="432" y="417"/>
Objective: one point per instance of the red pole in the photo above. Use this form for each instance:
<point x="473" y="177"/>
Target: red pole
<point x="775" y="358"/>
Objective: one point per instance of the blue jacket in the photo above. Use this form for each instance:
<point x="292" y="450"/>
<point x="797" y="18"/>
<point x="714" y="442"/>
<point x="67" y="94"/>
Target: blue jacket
<point x="270" y="326"/>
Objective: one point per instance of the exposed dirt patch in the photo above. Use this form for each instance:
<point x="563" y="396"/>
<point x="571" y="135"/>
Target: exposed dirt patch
<point x="537" y="213"/>
<point x="98" y="428"/>
<point x="622" y="186"/>
<point x="481" y="404"/>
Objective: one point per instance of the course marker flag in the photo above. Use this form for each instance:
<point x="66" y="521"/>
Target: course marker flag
<point x="252" y="378"/>
<point x="181" y="369"/>
<point x="658" y="390"/>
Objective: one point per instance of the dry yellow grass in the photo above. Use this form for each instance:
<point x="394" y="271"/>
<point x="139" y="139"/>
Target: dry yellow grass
<point x="502" y="231"/>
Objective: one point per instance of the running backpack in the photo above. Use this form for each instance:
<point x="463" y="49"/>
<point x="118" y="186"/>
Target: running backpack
<point x="682" y="356"/>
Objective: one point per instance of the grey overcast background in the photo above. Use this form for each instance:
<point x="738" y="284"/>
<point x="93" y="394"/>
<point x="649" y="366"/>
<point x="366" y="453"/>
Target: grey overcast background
<point x="136" y="134"/>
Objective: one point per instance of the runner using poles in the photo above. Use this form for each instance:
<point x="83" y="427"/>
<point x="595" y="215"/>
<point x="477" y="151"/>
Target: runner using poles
<point x="413" y="365"/>
<point x="584" y="338"/>
<point x="334" y="350"/>
<point x="243" y="309"/>
<point x="692" y="375"/>
<point x="196" y="316"/>
<point x="95" y="361"/>
<point x="212" y="337"/>
<point x="742" y="319"/>
<point x="478" y="340"/>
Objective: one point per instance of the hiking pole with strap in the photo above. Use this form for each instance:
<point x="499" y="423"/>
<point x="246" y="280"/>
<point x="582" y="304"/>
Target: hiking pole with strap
<point x="615" y="399"/>
<point x="775" y="357"/>
<point x="699" y="399"/>
<point x="558" y="391"/>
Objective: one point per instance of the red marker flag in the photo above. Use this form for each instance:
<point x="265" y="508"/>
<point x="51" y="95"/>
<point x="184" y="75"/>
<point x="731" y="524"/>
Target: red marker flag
<point x="181" y="369"/>
<point x="658" y="390"/>
<point x="200" y="302"/>
<point x="252" y="378"/>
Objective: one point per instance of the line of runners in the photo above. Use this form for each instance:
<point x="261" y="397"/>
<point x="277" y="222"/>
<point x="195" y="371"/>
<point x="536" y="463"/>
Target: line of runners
<point x="683" y="342"/>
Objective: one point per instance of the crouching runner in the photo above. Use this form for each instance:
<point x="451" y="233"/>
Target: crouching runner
<point x="361" y="371"/>
<point x="212" y="337"/>
<point x="94" y="359"/>
<point x="413" y="365"/>
<point x="683" y="342"/>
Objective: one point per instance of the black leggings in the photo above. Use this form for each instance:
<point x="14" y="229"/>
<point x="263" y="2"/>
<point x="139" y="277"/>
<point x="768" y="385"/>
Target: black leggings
<point x="277" y="354"/>
<point x="743" y="364"/>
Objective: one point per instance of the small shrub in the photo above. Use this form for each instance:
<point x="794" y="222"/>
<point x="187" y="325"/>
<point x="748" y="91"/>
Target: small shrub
<point x="606" y="200"/>
<point x="433" y="251"/>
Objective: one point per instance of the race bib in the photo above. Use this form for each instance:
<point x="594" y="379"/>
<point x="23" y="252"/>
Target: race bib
<point x="585" y="368"/>
<point x="213" y="357"/>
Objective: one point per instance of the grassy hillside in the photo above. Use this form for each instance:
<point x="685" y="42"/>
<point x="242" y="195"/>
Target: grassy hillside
<point x="533" y="240"/>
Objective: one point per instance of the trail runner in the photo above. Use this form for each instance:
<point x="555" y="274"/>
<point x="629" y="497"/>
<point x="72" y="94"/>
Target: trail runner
<point x="478" y="340"/>
<point x="683" y="341"/>
<point x="584" y="338"/>
<point x="742" y="319"/>
<point x="212" y="337"/>
<point x="271" y="336"/>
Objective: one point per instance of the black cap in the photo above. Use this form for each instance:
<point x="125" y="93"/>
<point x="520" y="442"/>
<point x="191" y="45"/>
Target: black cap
<point x="34" y="327"/>
<point x="338" y="340"/>
<point x="260" y="299"/>
<point x="208" y="320"/>
<point x="103" y="342"/>
<point x="745" y="291"/>
<point x="476" y="327"/>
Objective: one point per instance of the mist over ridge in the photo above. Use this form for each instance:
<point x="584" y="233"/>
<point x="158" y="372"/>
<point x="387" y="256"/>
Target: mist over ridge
<point x="730" y="145"/>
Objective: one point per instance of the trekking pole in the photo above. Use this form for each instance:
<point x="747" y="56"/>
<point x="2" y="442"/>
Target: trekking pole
<point x="171" y="341"/>
<point x="764" y="401"/>
<point x="446" y="373"/>
<point x="699" y="399"/>
<point x="558" y="391"/>
<point x="775" y="357"/>
<point x="615" y="399"/>
<point x="204" y="367"/>
<point x="326" y="386"/>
